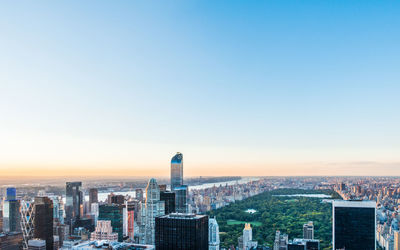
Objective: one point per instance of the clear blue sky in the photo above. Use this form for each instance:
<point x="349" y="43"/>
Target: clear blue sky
<point x="263" y="86"/>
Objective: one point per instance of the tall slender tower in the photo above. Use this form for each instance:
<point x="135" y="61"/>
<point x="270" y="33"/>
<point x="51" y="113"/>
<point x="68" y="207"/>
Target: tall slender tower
<point x="74" y="200"/>
<point x="213" y="234"/>
<point x="180" y="190"/>
<point x="11" y="212"/>
<point x="153" y="207"/>
<point x="176" y="171"/>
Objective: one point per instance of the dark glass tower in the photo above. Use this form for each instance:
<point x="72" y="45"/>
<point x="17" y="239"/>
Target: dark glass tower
<point x="113" y="213"/>
<point x="354" y="225"/>
<point x="182" y="232"/>
<point x="93" y="197"/>
<point x="169" y="200"/>
<point x="43" y="221"/>
<point x="176" y="171"/>
<point x="74" y="200"/>
<point x="11" y="212"/>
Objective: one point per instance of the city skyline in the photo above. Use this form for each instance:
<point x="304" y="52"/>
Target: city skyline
<point x="246" y="89"/>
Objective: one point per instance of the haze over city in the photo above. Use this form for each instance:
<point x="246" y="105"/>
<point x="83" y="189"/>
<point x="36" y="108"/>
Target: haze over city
<point x="248" y="89"/>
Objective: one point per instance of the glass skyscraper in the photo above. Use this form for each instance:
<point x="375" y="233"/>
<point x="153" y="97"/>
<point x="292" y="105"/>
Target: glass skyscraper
<point x="113" y="213"/>
<point x="176" y="171"/>
<point x="74" y="200"/>
<point x="11" y="212"/>
<point x="177" y="186"/>
<point x="43" y="221"/>
<point x="354" y="225"/>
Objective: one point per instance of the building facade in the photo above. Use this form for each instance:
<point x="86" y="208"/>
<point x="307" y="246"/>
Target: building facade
<point x="74" y="201"/>
<point x="93" y="197"/>
<point x="308" y="230"/>
<point x="176" y="171"/>
<point x="354" y="224"/>
<point x="213" y="234"/>
<point x="11" y="212"/>
<point x="113" y="213"/>
<point x="104" y="231"/>
<point x="182" y="232"/>
<point x="169" y="201"/>
<point x="152" y="208"/>
<point x="43" y="221"/>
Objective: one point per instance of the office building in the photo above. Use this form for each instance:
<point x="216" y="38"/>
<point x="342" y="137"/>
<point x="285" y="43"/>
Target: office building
<point x="281" y="241"/>
<point x="74" y="201"/>
<point x="43" y="221"/>
<point x="354" y="224"/>
<point x="246" y="240"/>
<point x="115" y="199"/>
<point x="308" y="230"/>
<point x="181" y="232"/>
<point x="130" y="221"/>
<point x="213" y="234"/>
<point x="104" y="231"/>
<point x="113" y="213"/>
<point x="11" y="212"/>
<point x="139" y="194"/>
<point x="181" y="193"/>
<point x="93" y="197"/>
<point x="58" y="212"/>
<point x="153" y="207"/>
<point x="176" y="171"/>
<point x="169" y="200"/>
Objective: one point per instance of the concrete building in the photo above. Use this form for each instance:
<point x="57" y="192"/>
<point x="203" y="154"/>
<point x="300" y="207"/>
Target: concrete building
<point x="104" y="231"/>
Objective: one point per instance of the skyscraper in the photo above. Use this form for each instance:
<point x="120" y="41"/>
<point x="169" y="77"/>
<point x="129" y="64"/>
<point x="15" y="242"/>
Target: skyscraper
<point x="181" y="193"/>
<point x="181" y="232"/>
<point x="93" y="197"/>
<point x="139" y="194"/>
<point x="354" y="224"/>
<point x="176" y="171"/>
<point x="74" y="200"/>
<point x="11" y="212"/>
<point x="113" y="213"/>
<point x="153" y="207"/>
<point x="169" y="200"/>
<point x="308" y="230"/>
<point x="213" y="234"/>
<point x="43" y="220"/>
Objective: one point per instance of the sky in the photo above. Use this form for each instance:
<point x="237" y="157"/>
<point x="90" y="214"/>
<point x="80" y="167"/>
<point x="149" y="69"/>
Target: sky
<point x="250" y="88"/>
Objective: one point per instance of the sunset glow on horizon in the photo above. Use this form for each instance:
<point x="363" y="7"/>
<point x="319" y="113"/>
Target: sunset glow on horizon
<point x="256" y="89"/>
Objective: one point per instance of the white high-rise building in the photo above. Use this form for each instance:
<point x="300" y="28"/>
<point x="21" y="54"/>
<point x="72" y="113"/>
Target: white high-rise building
<point x="213" y="234"/>
<point x="248" y="242"/>
<point x="152" y="208"/>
